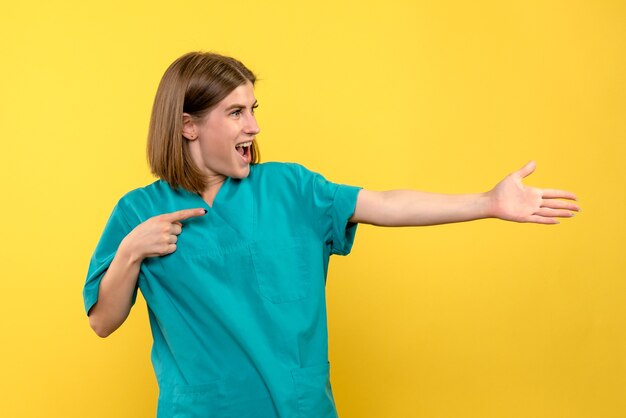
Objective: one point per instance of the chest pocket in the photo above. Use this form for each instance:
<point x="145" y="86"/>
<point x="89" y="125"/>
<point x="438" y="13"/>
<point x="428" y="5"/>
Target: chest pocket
<point x="282" y="269"/>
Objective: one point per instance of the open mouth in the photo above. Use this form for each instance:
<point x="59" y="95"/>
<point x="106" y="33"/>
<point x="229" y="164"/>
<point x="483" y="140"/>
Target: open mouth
<point x="244" y="149"/>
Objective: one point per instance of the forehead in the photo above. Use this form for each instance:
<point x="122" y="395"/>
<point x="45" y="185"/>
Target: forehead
<point x="243" y="95"/>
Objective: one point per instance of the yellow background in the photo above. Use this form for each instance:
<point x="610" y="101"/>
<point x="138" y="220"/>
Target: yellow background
<point x="483" y="319"/>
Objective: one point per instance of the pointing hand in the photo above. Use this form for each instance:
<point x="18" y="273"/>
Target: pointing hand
<point x="158" y="235"/>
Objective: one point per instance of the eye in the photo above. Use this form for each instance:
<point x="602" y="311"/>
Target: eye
<point x="236" y="112"/>
<point x="254" y="107"/>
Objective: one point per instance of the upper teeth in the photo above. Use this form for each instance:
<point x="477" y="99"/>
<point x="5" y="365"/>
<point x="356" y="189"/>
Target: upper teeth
<point x="244" y="144"/>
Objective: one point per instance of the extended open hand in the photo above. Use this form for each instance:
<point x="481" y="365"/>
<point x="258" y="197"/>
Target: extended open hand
<point x="513" y="201"/>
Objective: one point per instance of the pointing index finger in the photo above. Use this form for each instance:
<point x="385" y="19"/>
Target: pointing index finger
<point x="183" y="214"/>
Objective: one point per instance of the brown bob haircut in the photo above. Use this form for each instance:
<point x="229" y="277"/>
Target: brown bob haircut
<point x="192" y="84"/>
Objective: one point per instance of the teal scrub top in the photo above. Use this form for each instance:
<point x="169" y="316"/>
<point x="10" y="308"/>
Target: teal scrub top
<point x="238" y="311"/>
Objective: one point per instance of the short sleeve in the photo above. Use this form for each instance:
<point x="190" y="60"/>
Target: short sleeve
<point x="333" y="205"/>
<point x="117" y="227"/>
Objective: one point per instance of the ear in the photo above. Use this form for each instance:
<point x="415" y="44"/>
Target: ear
<point x="190" y="130"/>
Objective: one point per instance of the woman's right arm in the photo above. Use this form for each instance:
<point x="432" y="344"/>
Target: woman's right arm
<point x="155" y="237"/>
<point x="115" y="291"/>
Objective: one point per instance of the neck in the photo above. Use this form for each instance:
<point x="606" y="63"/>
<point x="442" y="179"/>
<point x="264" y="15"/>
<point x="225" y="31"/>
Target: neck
<point x="213" y="186"/>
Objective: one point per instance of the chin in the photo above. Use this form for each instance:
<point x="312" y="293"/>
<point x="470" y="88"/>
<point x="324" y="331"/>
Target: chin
<point x="242" y="174"/>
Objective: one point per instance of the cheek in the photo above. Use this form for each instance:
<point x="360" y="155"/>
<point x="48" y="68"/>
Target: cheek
<point x="219" y="138"/>
<point x="216" y="145"/>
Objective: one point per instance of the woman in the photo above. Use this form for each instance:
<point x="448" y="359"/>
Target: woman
<point x="231" y="255"/>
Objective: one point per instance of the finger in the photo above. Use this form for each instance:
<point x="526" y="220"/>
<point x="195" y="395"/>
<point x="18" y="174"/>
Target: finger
<point x="181" y="215"/>
<point x="558" y="194"/>
<point x="176" y="229"/>
<point x="527" y="169"/>
<point x="554" y="213"/>
<point x="560" y="204"/>
<point x="542" y="220"/>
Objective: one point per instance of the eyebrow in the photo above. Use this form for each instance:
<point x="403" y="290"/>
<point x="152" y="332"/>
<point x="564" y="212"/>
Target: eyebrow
<point x="234" y="106"/>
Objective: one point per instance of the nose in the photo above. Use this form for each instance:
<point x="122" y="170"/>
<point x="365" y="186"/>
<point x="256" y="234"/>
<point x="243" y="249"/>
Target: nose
<point x="252" y="127"/>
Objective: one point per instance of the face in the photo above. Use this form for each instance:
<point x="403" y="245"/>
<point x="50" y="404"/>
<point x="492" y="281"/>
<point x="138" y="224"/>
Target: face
<point x="217" y="142"/>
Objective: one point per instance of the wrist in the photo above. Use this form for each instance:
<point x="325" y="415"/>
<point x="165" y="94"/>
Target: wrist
<point x="488" y="205"/>
<point x="128" y="251"/>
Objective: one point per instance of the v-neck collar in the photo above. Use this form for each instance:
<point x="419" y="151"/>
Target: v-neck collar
<point x="220" y="192"/>
<point x="233" y="208"/>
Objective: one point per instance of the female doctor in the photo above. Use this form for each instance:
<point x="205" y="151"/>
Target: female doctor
<point x="231" y="255"/>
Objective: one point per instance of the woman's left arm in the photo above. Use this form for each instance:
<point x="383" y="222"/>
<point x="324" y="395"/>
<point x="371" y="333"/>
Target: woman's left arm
<point x="510" y="200"/>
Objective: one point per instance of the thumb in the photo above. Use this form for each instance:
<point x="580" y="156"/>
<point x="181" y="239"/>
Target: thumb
<point x="528" y="169"/>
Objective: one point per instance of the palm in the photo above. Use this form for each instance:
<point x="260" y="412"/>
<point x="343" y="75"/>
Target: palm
<point x="512" y="201"/>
